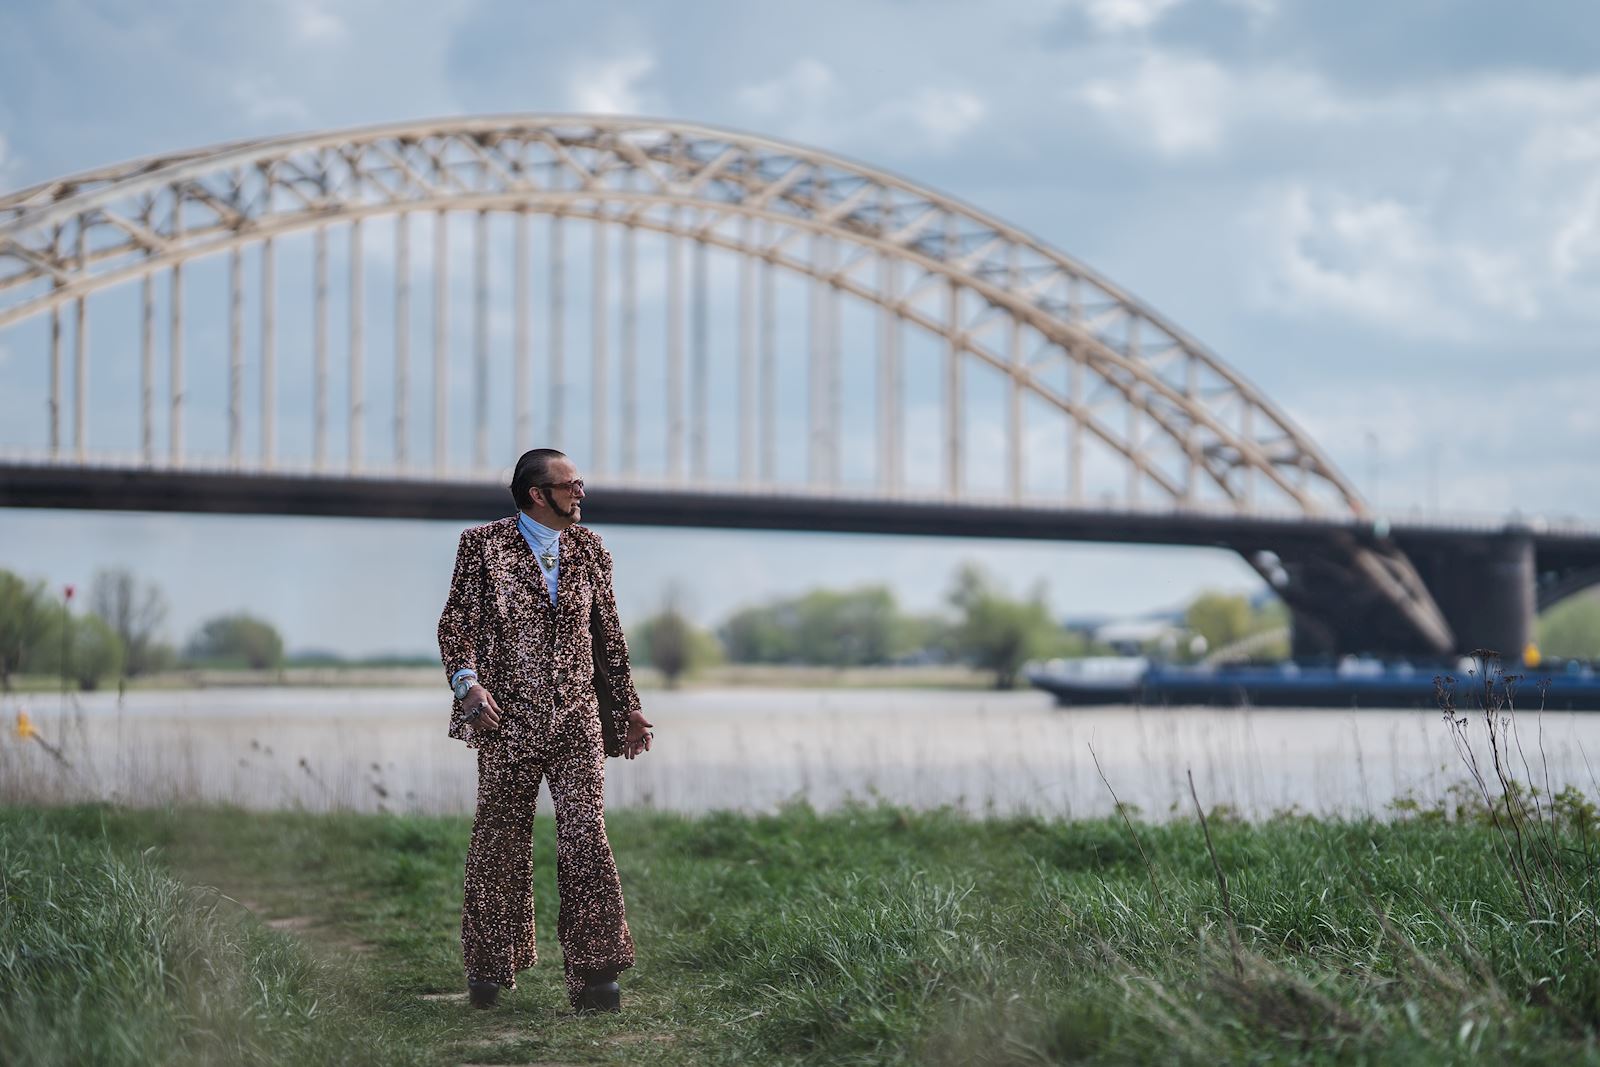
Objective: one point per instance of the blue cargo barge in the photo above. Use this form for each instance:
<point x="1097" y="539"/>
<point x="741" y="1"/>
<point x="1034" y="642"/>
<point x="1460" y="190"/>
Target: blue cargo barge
<point x="1354" y="683"/>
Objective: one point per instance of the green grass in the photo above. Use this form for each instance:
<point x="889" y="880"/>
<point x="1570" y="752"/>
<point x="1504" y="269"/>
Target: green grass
<point x="869" y="935"/>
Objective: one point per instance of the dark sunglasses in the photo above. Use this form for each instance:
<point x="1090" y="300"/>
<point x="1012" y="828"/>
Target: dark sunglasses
<point x="572" y="487"/>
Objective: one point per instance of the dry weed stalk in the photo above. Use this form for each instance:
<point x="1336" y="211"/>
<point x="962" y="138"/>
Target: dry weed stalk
<point x="1529" y="831"/>
<point x="1222" y="883"/>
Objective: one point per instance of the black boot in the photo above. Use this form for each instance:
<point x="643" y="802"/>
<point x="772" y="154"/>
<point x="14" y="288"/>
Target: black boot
<point x="600" y="996"/>
<point x="482" y="994"/>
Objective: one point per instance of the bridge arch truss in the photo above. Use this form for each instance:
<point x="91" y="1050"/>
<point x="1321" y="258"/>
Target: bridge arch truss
<point x="1187" y="430"/>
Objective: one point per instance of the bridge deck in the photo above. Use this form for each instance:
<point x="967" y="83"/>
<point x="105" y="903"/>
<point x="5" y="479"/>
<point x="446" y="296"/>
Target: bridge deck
<point x="211" y="491"/>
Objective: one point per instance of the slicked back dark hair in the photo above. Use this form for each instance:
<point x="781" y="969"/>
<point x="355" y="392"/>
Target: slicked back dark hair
<point x="533" y="469"/>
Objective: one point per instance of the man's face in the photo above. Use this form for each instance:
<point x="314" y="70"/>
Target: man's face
<point x="562" y="497"/>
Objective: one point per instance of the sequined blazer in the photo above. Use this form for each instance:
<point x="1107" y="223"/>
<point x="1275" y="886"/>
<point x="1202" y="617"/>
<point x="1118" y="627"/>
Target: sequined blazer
<point x="544" y="664"/>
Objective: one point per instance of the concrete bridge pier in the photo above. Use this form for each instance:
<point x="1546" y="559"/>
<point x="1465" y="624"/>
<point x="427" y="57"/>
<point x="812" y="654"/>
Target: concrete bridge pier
<point x="1487" y="589"/>
<point x="1478" y="592"/>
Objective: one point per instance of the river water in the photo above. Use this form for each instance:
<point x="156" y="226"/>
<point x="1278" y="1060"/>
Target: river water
<point x="754" y="749"/>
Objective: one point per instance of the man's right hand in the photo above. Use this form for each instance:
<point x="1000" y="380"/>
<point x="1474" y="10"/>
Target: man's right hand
<point x="482" y="712"/>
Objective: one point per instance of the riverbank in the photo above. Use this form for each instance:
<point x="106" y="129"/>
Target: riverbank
<point x="349" y="676"/>
<point x="873" y="934"/>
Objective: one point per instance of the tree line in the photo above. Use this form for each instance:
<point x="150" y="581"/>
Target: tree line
<point x="116" y="634"/>
<point x="865" y="627"/>
<point x="983" y="626"/>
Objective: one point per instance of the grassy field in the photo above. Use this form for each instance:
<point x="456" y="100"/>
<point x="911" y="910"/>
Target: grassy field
<point x="870" y="935"/>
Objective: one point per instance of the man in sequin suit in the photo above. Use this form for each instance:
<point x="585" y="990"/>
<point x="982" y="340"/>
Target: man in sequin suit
<point x="534" y="650"/>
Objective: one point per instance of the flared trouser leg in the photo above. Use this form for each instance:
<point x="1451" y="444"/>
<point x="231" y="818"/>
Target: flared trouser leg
<point x="592" y="924"/>
<point x="497" y="923"/>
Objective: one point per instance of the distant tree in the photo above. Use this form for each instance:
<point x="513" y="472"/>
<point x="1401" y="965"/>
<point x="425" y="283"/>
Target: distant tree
<point x="672" y="644"/>
<point x="924" y="637"/>
<point x="1224" y="619"/>
<point x="759" y="635"/>
<point x="90" y="653"/>
<point x="1571" y="628"/>
<point x="1220" y="618"/>
<point x="97" y="652"/>
<point x="840" y="628"/>
<point x="135" y="613"/>
<point x="996" y="632"/>
<point x="25" y="620"/>
<point x="669" y="642"/>
<point x="239" y="639"/>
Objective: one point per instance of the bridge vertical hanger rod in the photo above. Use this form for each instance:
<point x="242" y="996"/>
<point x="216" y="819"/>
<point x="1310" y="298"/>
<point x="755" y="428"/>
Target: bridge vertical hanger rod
<point x="1136" y="466"/>
<point x="1246" y="431"/>
<point x="147" y="369"/>
<point x="358" y="344"/>
<point x="952" y="370"/>
<point x="815" y="385"/>
<point x="630" y="344"/>
<point x="480" y="341"/>
<point x="235" y="356"/>
<point x="768" y="312"/>
<point x="402" y="334"/>
<point x="747" y="354"/>
<point x="55" y="360"/>
<point x="699" y="360"/>
<point x="600" y="308"/>
<point x="674" y="347"/>
<point x="1190" y="392"/>
<point x="558" y="339"/>
<point x="175" y="340"/>
<point x="80" y="360"/>
<point x="269" y="344"/>
<point x="888" y="356"/>
<point x="520" y="378"/>
<point x="441" y="338"/>
<point x="1015" y="414"/>
<point x="889" y="390"/>
<point x="832" y="324"/>
<point x="319" y="399"/>
<point x="1075" y="389"/>
<point x="55" y="380"/>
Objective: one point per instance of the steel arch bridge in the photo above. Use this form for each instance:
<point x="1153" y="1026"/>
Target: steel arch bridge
<point x="1149" y="435"/>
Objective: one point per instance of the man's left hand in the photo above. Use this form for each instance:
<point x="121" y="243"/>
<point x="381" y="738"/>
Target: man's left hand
<point x="639" y="735"/>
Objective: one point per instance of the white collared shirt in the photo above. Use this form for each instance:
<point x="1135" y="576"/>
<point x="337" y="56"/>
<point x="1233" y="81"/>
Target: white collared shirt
<point x="542" y="540"/>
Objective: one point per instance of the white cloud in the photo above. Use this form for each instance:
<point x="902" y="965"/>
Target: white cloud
<point x="261" y="100"/>
<point x="612" y="86"/>
<point x="809" y="104"/>
<point x="1577" y="240"/>
<point x="1114" y="17"/>
<point x="1379" y="260"/>
<point x="1484" y="214"/>
<point x="801" y="100"/>
<point x="312" y="22"/>
<point x="1117" y="16"/>
<point x="1178" y="103"/>
<point x="1183" y="104"/>
<point x="808" y="84"/>
<point x="943" y="116"/>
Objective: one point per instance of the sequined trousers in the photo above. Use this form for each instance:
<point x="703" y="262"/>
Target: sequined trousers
<point x="497" y="923"/>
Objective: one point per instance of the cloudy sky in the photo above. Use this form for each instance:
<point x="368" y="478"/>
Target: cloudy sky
<point x="1385" y="214"/>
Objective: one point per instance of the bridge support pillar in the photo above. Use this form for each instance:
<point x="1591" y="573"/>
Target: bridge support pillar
<point x="1487" y="589"/>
